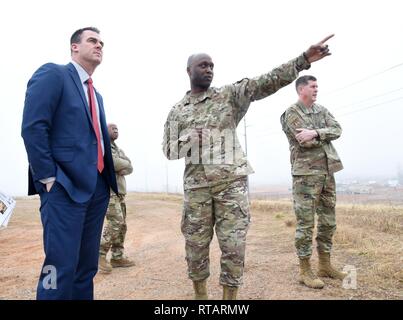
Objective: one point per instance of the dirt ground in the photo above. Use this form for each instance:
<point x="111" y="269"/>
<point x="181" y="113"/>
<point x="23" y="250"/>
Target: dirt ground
<point x="154" y="241"/>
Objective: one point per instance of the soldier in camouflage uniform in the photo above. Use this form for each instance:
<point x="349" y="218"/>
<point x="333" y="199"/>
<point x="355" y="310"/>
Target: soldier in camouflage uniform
<point x="202" y="128"/>
<point x="310" y="128"/>
<point x="114" y="233"/>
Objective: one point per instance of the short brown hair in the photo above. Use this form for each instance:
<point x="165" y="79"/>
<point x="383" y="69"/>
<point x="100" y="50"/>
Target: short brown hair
<point x="303" y="81"/>
<point x="76" y="37"/>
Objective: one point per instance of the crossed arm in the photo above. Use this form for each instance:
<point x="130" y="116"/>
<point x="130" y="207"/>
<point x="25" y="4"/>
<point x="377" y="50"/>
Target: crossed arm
<point x="310" y="138"/>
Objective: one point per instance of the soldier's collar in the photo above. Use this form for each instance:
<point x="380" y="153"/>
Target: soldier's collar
<point x="197" y="98"/>
<point x="313" y="109"/>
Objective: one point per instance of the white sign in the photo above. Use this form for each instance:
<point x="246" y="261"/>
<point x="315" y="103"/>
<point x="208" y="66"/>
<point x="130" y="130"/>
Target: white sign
<point x="7" y="205"/>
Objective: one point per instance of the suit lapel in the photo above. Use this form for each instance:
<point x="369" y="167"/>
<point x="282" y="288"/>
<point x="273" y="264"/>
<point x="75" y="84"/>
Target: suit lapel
<point x="77" y="82"/>
<point x="102" y="120"/>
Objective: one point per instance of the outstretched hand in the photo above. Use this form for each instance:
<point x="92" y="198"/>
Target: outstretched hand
<point x="318" y="51"/>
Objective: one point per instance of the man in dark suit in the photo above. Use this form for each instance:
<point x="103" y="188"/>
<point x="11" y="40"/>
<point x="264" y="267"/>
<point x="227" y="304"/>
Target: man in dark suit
<point x="70" y="167"/>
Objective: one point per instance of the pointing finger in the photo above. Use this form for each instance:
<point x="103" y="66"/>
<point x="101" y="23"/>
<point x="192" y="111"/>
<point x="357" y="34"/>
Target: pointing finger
<point x="327" y="38"/>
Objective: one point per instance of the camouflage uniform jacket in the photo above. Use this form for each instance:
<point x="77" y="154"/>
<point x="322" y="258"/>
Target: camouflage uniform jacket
<point x="122" y="165"/>
<point x="317" y="156"/>
<point x="220" y="110"/>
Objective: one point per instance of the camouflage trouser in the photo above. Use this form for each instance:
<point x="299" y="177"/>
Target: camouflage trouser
<point x="312" y="194"/>
<point x="113" y="236"/>
<point x="227" y="207"/>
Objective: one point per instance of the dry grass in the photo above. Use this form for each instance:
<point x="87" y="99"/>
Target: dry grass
<point x="369" y="236"/>
<point x="382" y="218"/>
<point x="168" y="197"/>
<point x="272" y="205"/>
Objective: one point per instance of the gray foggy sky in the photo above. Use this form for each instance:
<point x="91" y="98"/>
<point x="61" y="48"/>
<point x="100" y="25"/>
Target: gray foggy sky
<point x="144" y="74"/>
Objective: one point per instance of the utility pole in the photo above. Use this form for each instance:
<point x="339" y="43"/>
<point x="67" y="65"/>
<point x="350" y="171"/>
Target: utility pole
<point x="246" y="149"/>
<point x="166" y="176"/>
<point x="246" y="139"/>
<point x="146" y="178"/>
<point x="399" y="174"/>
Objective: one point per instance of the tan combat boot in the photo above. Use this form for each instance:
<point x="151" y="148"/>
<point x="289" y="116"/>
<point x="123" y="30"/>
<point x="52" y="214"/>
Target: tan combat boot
<point x="326" y="269"/>
<point x="306" y="275"/>
<point x="229" y="293"/>
<point x="103" y="265"/>
<point x="200" y="288"/>
<point x="122" y="263"/>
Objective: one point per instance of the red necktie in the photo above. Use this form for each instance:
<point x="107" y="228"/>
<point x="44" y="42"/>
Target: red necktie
<point x="91" y="97"/>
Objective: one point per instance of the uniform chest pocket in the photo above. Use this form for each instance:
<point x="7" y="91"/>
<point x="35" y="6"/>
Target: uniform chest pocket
<point x="222" y="117"/>
<point x="318" y="121"/>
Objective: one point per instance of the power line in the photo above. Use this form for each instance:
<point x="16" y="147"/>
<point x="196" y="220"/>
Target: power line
<point x="367" y="99"/>
<point x="342" y="115"/>
<point x="352" y="104"/>
<point x="271" y="133"/>
<point x="356" y="103"/>
<point x="369" y="107"/>
<point x="356" y="82"/>
<point x="364" y="79"/>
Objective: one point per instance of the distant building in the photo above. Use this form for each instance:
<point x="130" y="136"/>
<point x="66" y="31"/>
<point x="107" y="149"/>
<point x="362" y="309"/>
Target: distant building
<point x="393" y="183"/>
<point x="354" y="189"/>
<point x="400" y="175"/>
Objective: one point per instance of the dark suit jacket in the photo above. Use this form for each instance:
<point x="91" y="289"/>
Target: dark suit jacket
<point x="59" y="136"/>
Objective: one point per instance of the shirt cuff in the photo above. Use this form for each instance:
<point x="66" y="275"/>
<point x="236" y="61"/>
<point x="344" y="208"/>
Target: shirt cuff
<point x="47" y="180"/>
